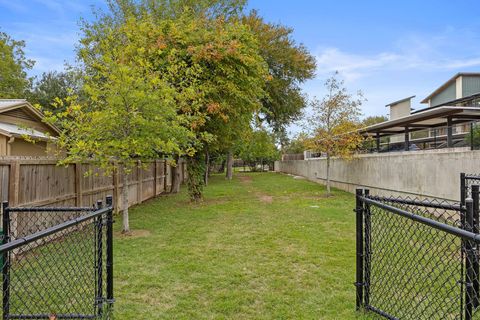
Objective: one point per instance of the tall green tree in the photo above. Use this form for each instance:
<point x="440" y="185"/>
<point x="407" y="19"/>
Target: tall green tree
<point x="334" y="121"/>
<point x="14" y="81"/>
<point x="259" y="147"/>
<point x="290" y="64"/>
<point x="129" y="114"/>
<point x="210" y="64"/>
<point x="55" y="85"/>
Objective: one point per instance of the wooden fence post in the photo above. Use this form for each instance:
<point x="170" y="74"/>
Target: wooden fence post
<point x="116" y="187"/>
<point x="165" y="174"/>
<point x="139" y="182"/>
<point x="78" y="185"/>
<point x="155" y="172"/>
<point x="14" y="183"/>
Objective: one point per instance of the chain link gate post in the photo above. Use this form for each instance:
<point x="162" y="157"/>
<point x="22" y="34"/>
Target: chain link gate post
<point x="99" y="237"/>
<point x="359" y="281"/>
<point x="470" y="256"/>
<point x="368" y="249"/>
<point x="463" y="189"/>
<point x="5" y="261"/>
<point x="109" y="266"/>
<point x="476" y="224"/>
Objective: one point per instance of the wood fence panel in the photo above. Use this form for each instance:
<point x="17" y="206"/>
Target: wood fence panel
<point x="160" y="177"/>
<point x="95" y="185"/>
<point x="41" y="182"/>
<point x="148" y="182"/>
<point x="4" y="174"/>
<point x="168" y="176"/>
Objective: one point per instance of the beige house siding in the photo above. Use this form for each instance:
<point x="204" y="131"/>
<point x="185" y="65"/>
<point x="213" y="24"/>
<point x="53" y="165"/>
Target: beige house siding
<point x="3" y="145"/>
<point x="399" y="110"/>
<point x="27" y="123"/>
<point x="20" y="147"/>
<point x="23" y="116"/>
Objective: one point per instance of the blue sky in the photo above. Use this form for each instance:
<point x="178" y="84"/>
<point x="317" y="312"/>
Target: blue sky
<point x="388" y="49"/>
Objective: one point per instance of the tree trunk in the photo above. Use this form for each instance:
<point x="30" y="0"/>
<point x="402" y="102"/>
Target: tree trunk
<point x="328" y="174"/>
<point x="229" y="174"/>
<point x="176" y="176"/>
<point x="125" y="219"/>
<point x="207" y="167"/>
<point x="196" y="176"/>
<point x="222" y="167"/>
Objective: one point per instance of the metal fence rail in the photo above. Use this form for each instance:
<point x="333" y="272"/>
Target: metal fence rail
<point x="57" y="263"/>
<point x="417" y="259"/>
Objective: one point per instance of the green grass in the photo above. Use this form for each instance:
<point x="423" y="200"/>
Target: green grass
<point x="263" y="246"/>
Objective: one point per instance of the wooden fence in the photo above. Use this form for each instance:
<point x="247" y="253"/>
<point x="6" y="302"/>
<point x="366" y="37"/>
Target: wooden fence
<point x="31" y="182"/>
<point x="293" y="156"/>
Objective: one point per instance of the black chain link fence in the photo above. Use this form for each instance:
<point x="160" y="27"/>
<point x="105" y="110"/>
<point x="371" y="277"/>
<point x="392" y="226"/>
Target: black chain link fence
<point x="57" y="262"/>
<point x="418" y="258"/>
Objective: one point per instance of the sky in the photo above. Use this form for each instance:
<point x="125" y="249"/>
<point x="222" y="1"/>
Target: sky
<point x="387" y="49"/>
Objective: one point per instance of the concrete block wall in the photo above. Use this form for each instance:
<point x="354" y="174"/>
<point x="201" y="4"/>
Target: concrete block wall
<point x="429" y="173"/>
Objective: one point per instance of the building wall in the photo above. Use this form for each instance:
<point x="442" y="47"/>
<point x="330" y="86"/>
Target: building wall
<point x="471" y="85"/>
<point x="429" y="173"/>
<point x="3" y="145"/>
<point x="399" y="110"/>
<point x="448" y="94"/>
<point x="20" y="147"/>
<point x="37" y="125"/>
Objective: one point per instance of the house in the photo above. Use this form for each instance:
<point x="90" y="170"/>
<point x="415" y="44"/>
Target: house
<point x="453" y="109"/>
<point x="19" y="120"/>
<point x="463" y="89"/>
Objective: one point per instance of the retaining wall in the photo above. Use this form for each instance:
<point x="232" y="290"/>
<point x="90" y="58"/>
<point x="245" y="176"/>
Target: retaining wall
<point x="430" y="173"/>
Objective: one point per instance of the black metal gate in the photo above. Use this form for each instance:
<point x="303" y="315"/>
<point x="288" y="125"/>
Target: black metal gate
<point x="418" y="259"/>
<point x="57" y="263"/>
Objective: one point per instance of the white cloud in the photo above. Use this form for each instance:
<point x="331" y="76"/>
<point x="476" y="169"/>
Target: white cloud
<point x="352" y="66"/>
<point x="451" y="50"/>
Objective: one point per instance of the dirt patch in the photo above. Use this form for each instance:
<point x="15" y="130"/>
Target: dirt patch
<point x="245" y="179"/>
<point x="133" y="234"/>
<point x="265" y="199"/>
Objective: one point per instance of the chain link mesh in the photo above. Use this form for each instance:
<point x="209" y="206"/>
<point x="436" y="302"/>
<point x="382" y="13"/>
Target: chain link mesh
<point x="58" y="274"/>
<point x="413" y="270"/>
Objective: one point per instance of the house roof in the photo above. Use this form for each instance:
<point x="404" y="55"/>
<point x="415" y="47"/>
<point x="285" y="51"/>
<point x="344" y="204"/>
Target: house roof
<point x="423" y="119"/>
<point x="10" y="104"/>
<point x="446" y="84"/>
<point x="399" y="101"/>
<point x="452" y="102"/>
<point x="13" y="130"/>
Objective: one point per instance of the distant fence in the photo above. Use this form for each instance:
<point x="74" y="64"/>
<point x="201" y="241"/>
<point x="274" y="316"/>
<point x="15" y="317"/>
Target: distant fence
<point x="36" y="182"/>
<point x="257" y="166"/>
<point x="293" y="156"/>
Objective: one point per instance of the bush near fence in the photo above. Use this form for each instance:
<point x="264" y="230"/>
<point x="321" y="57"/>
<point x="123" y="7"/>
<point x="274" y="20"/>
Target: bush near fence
<point x="33" y="182"/>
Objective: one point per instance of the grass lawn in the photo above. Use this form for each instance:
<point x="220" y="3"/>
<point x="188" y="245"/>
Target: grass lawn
<point x="263" y="246"/>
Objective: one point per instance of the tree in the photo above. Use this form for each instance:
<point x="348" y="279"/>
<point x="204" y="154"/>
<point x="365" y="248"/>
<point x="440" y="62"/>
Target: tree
<point x="289" y="65"/>
<point x="210" y="62"/>
<point x="370" y="143"/>
<point x="371" y="120"/>
<point x="14" y="82"/>
<point x="55" y="85"/>
<point x="259" y="147"/>
<point x="129" y="114"/>
<point x="297" y="144"/>
<point x="472" y="138"/>
<point x="335" y="120"/>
